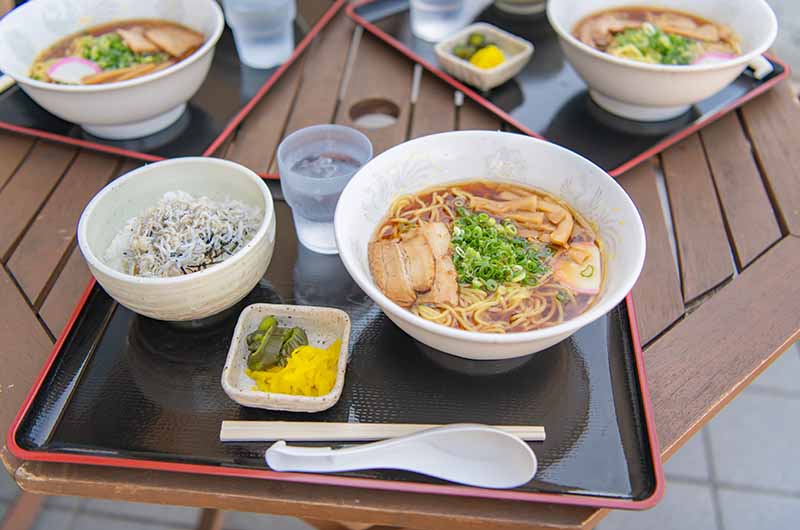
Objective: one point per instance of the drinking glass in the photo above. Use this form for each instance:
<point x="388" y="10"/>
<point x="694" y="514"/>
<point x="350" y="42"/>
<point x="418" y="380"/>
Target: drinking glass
<point x="433" y="20"/>
<point x="315" y="164"/>
<point x="263" y="30"/>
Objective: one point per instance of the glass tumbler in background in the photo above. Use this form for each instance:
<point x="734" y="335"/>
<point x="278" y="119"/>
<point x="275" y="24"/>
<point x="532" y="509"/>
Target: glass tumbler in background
<point x="315" y="164"/>
<point x="263" y="30"/>
<point x="433" y="20"/>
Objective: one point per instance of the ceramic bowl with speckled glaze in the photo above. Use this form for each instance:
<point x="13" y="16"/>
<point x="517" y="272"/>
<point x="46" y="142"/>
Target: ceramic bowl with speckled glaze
<point x="323" y="325"/>
<point x="191" y="296"/>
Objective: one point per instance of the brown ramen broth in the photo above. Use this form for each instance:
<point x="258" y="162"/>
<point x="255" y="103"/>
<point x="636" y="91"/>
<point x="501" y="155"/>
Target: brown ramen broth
<point x="117" y="51"/>
<point x="487" y="256"/>
<point x="658" y="35"/>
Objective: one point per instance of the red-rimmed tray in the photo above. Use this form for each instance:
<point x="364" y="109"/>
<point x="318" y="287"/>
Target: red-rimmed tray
<point x="121" y="390"/>
<point x="209" y="119"/>
<point x="548" y="100"/>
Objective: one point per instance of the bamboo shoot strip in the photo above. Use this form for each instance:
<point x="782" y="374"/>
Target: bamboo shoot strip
<point x="301" y="431"/>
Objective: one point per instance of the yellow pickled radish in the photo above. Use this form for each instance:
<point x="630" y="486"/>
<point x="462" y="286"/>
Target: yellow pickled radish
<point x="488" y="57"/>
<point x="309" y="371"/>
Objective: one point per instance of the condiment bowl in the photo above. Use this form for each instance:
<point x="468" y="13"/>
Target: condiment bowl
<point x="654" y="92"/>
<point x="323" y="325"/>
<point x="517" y="53"/>
<point x="191" y="296"/>
<point x="469" y="155"/>
<point x="121" y="110"/>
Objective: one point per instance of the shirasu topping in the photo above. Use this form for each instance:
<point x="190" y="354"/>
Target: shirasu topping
<point x="182" y="234"/>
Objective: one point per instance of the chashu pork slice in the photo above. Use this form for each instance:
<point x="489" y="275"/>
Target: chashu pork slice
<point x="387" y="263"/>
<point x="445" y="282"/>
<point x="136" y="41"/>
<point x="420" y="262"/>
<point x="175" y="41"/>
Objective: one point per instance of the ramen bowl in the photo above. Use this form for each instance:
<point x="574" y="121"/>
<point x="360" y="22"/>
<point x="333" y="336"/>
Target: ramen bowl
<point x="191" y="296"/>
<point x="496" y="156"/>
<point x="120" y="110"/>
<point x="654" y="92"/>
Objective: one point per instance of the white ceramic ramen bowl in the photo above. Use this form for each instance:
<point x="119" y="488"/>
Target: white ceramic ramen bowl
<point x="122" y="110"/>
<point x="192" y="296"/>
<point x="653" y="92"/>
<point x="469" y="155"/>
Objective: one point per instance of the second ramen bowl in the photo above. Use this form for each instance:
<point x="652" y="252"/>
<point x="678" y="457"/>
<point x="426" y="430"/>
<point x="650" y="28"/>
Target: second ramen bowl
<point x="470" y="155"/>
<point x="654" y="92"/>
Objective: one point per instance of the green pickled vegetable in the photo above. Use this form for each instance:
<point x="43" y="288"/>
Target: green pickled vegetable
<point x="271" y="344"/>
<point x="476" y="40"/>
<point x="464" y="51"/>
<point x="269" y="353"/>
<point x="258" y="340"/>
<point x="292" y="339"/>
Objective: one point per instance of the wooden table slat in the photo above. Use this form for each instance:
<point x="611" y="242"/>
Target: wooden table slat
<point x="52" y="233"/>
<point x="13" y="150"/>
<point x="379" y="74"/>
<point x="324" y="67"/>
<point x="703" y="249"/>
<point x="707" y="358"/>
<point x="749" y="215"/>
<point x="259" y="135"/>
<point x="29" y="188"/>
<point x="772" y="122"/>
<point x="72" y="279"/>
<point x="657" y="294"/>
<point x="67" y="289"/>
<point x="472" y="116"/>
<point x="25" y="345"/>
<point x="434" y="110"/>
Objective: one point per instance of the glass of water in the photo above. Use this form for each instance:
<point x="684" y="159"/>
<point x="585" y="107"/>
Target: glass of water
<point x="433" y="20"/>
<point x="263" y="30"/>
<point x="315" y="164"/>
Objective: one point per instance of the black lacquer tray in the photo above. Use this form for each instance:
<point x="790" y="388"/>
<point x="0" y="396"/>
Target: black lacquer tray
<point x="228" y="94"/>
<point x="548" y="99"/>
<point x="127" y="391"/>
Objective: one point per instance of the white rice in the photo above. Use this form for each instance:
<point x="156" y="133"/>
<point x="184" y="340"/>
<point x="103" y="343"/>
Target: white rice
<point x="181" y="235"/>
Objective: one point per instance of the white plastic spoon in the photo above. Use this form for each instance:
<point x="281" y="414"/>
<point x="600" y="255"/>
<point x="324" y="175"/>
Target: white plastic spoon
<point x="475" y="455"/>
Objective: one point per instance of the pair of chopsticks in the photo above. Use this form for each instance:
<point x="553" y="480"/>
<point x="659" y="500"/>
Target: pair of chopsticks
<point x="309" y="431"/>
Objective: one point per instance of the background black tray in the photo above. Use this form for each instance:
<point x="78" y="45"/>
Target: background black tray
<point x="548" y="98"/>
<point x="133" y="388"/>
<point x="229" y="86"/>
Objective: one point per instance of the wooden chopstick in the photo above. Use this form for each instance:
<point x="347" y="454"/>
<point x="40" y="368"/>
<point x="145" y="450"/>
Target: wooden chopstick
<point x="309" y="431"/>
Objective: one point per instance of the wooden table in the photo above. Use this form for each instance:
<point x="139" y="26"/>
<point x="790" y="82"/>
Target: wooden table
<point x="718" y="300"/>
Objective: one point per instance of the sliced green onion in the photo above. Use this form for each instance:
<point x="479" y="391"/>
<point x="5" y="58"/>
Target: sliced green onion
<point x="487" y="253"/>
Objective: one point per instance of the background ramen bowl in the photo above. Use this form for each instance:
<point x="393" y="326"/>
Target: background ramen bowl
<point x="468" y="155"/>
<point x="653" y="92"/>
<point x="122" y="110"/>
<point x="193" y="296"/>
